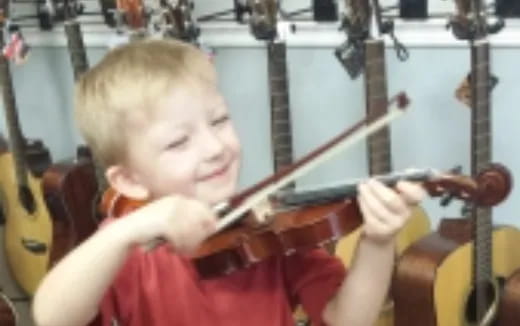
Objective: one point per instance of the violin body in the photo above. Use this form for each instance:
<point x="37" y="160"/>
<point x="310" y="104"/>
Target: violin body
<point x="241" y="246"/>
<point x="70" y="191"/>
<point x="310" y="224"/>
<point x="434" y="274"/>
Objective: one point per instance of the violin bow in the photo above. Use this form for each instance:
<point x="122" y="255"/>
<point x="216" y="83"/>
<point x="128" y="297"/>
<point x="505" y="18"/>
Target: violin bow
<point x="244" y="201"/>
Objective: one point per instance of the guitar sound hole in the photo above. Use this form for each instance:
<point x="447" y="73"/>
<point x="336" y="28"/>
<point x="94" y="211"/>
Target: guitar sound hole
<point x="491" y="297"/>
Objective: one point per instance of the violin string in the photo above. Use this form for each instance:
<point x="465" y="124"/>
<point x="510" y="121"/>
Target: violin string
<point x="356" y="136"/>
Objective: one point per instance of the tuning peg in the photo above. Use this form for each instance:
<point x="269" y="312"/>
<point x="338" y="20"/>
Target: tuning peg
<point x="446" y="199"/>
<point x="496" y="27"/>
<point x="466" y="209"/>
<point x="456" y="169"/>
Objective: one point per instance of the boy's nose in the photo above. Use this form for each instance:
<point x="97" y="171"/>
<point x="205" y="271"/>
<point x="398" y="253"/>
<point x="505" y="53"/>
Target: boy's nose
<point x="213" y="146"/>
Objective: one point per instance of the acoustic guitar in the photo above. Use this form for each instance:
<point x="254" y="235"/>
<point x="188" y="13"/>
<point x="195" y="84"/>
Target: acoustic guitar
<point x="509" y="306"/>
<point x="263" y="25"/>
<point x="453" y="276"/>
<point x="70" y="186"/>
<point x="28" y="225"/>
<point x="379" y="147"/>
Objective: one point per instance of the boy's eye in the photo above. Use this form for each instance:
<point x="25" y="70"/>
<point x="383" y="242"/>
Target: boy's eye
<point x="177" y="143"/>
<point x="220" y="120"/>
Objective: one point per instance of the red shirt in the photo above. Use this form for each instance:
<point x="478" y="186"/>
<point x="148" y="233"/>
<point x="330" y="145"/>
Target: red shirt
<point x="161" y="288"/>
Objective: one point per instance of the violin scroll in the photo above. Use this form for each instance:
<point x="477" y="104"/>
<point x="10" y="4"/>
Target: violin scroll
<point x="495" y="184"/>
<point x="489" y="188"/>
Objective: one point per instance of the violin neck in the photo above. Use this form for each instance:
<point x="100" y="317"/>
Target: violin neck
<point x="347" y="191"/>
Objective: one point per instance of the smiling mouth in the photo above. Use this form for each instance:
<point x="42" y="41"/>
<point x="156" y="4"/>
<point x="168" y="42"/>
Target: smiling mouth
<point x="217" y="173"/>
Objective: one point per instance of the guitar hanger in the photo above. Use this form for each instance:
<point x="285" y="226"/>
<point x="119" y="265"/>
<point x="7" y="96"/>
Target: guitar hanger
<point x="175" y="19"/>
<point x="470" y="23"/>
<point x="356" y="23"/>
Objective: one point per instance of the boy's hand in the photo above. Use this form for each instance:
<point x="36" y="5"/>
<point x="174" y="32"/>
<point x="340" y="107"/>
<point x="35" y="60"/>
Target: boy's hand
<point x="386" y="211"/>
<point x="183" y="222"/>
<point x="262" y="214"/>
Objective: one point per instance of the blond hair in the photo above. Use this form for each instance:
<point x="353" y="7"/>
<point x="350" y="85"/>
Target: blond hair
<point x="125" y="84"/>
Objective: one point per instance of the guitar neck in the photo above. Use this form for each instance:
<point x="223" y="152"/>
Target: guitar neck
<point x="481" y="107"/>
<point x="281" y="132"/>
<point x="79" y="61"/>
<point x="16" y="138"/>
<point x="376" y="95"/>
<point x="480" y="157"/>
<point x="77" y="52"/>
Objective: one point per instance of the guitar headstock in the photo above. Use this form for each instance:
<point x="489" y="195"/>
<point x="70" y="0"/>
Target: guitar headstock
<point x="263" y="19"/>
<point x="355" y="22"/>
<point x="46" y="11"/>
<point x="176" y="20"/>
<point x="125" y="14"/>
<point x="356" y="18"/>
<point x="470" y="23"/>
<point x="50" y="12"/>
<point x="363" y="20"/>
<point x="130" y="13"/>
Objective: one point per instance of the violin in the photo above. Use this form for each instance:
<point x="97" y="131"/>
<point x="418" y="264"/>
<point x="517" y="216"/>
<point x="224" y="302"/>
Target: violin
<point x="309" y="220"/>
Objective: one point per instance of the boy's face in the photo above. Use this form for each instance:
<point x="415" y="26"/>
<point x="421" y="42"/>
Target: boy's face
<point x="188" y="146"/>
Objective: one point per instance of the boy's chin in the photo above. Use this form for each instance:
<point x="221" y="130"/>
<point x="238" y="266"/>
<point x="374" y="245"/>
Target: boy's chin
<point x="214" y="197"/>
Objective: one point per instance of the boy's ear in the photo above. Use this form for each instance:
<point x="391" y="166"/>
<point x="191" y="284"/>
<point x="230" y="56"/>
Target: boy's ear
<point x="124" y="182"/>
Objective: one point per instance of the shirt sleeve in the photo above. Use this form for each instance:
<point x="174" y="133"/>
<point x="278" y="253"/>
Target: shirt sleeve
<point x="313" y="278"/>
<point x="107" y="312"/>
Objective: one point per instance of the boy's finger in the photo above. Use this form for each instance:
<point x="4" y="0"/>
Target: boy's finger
<point x="372" y="225"/>
<point x="385" y="197"/>
<point x="411" y="192"/>
<point x="372" y="205"/>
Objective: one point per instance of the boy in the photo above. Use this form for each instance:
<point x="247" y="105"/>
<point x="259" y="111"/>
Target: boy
<point x="153" y="116"/>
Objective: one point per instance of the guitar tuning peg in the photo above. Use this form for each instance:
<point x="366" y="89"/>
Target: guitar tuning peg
<point x="466" y="209"/>
<point x="456" y="170"/>
<point x="446" y="199"/>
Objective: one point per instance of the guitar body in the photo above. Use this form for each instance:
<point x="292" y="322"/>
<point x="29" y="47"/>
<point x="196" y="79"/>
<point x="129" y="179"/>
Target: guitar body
<point x="417" y="227"/>
<point x="509" y="309"/>
<point x="379" y="158"/>
<point x="434" y="275"/>
<point x="28" y="236"/>
<point x="70" y="191"/>
<point x="8" y="316"/>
